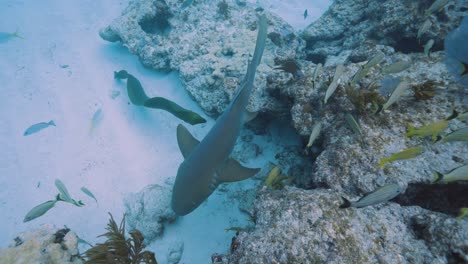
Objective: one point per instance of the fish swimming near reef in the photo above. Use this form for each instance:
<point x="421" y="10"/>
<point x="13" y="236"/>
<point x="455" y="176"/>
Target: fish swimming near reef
<point x="396" y="67"/>
<point x="408" y="153"/>
<point x="314" y="134"/>
<point x="436" y="6"/>
<point x="38" y="127"/>
<point x="5" y="36"/>
<point x="456" y="57"/>
<point x="97" y="117"/>
<point x="305" y="14"/>
<point x="428" y="47"/>
<point x="457" y="135"/>
<point x="382" y="194"/>
<point x="433" y="130"/>
<point x="396" y="94"/>
<point x="207" y="163"/>
<point x="457" y="174"/>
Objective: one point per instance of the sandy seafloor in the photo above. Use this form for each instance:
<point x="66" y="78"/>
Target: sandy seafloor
<point x="130" y="148"/>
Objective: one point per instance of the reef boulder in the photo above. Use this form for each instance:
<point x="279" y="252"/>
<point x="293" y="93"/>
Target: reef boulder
<point x="207" y="44"/>
<point x="149" y="210"/>
<point x="44" y="245"/>
<point x="306" y="226"/>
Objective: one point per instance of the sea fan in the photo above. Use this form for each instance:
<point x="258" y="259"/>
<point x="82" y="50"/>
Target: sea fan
<point x="119" y="250"/>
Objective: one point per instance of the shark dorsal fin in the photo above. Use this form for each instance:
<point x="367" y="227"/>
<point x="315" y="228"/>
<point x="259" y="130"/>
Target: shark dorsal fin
<point x="186" y="141"/>
<point x="232" y="170"/>
<point x="249" y="116"/>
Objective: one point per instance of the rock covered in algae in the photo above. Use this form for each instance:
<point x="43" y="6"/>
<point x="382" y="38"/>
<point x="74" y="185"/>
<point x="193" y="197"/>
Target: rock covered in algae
<point x="300" y="226"/>
<point x="358" y="25"/>
<point x="149" y="210"/>
<point x="44" y="245"/>
<point x="210" y="50"/>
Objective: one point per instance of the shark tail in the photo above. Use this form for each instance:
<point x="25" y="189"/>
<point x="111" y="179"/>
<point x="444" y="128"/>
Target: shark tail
<point x="51" y="123"/>
<point x="346" y="203"/>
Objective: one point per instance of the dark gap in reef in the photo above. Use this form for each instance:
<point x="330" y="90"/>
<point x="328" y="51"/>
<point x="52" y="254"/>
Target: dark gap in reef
<point x="408" y="45"/>
<point x="159" y="23"/>
<point x="444" y="198"/>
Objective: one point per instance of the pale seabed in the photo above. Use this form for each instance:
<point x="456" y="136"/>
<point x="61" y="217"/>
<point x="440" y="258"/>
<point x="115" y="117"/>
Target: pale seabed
<point x="130" y="148"/>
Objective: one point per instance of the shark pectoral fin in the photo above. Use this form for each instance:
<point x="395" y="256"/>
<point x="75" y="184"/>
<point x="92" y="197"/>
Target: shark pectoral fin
<point x="186" y="141"/>
<point x="232" y="171"/>
<point x="249" y="116"/>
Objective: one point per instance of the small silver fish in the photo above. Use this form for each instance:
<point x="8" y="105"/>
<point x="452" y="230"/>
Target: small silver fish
<point x="399" y="90"/>
<point x="396" y="67"/>
<point x="336" y="81"/>
<point x="457" y="135"/>
<point x="97" y="117"/>
<point x="5" y="36"/>
<point x="437" y="6"/>
<point x="428" y="47"/>
<point x="39" y="210"/>
<point x="382" y="194"/>
<point x="89" y="193"/>
<point x="353" y="124"/>
<point x="38" y="127"/>
<point x="457" y="174"/>
<point x="424" y="28"/>
<point x="315" y="133"/>
<point x="64" y="194"/>
<point x="317" y="71"/>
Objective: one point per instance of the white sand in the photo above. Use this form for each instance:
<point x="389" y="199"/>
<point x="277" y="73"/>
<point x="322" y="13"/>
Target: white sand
<point x="130" y="148"/>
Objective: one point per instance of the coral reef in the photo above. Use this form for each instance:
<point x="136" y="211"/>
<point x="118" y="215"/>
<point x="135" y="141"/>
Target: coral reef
<point x="44" y="245"/>
<point x="210" y="48"/>
<point x="359" y="25"/>
<point x="300" y="226"/>
<point x="149" y="209"/>
<point x="210" y="51"/>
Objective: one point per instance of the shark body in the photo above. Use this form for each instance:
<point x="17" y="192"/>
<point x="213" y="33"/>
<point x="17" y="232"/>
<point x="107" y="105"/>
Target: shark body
<point x="207" y="163"/>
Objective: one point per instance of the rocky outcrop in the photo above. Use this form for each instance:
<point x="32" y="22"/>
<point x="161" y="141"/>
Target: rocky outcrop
<point x="44" y="245"/>
<point x="359" y="25"/>
<point x="299" y="226"/>
<point x="149" y="210"/>
<point x="207" y="44"/>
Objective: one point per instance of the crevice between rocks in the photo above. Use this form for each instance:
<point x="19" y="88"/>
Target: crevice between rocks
<point x="444" y="198"/>
<point x="159" y="22"/>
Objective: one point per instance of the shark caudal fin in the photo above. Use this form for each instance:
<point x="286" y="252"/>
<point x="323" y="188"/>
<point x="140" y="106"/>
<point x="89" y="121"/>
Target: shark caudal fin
<point x="232" y="171"/>
<point x="185" y="140"/>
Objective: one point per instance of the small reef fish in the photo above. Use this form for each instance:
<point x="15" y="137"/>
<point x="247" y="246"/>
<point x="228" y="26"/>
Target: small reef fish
<point x="305" y="14"/>
<point x="362" y="72"/>
<point x="396" y="67"/>
<point x="276" y="179"/>
<point x="457" y="135"/>
<point x="314" y="134"/>
<point x="5" y="36"/>
<point x="317" y="71"/>
<point x="38" y="127"/>
<point x="97" y="117"/>
<point x="353" y="124"/>
<point x="463" y="213"/>
<point x="382" y="194"/>
<point x="424" y="28"/>
<point x="39" y="210"/>
<point x="432" y="130"/>
<point x="437" y="6"/>
<point x="207" y="164"/>
<point x="89" y="193"/>
<point x="336" y="81"/>
<point x="185" y="4"/>
<point x="456" y="57"/>
<point x="457" y="174"/>
<point x="408" y="153"/>
<point x="396" y="94"/>
<point x="428" y="47"/>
